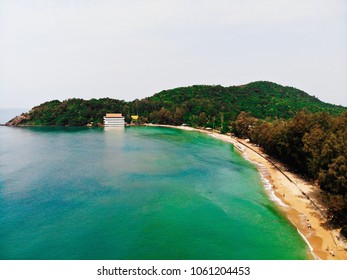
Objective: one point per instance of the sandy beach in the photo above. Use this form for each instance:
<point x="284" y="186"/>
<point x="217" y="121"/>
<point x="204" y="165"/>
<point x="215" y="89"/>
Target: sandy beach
<point x="299" y="200"/>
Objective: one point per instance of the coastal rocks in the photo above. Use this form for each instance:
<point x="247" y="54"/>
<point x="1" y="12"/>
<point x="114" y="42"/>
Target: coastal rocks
<point x="16" y="121"/>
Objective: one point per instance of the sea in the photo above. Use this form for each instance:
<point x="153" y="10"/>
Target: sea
<point x="138" y="193"/>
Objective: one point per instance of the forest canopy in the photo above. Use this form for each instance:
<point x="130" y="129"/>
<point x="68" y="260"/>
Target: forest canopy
<point x="313" y="145"/>
<point x="306" y="134"/>
<point x="203" y="105"/>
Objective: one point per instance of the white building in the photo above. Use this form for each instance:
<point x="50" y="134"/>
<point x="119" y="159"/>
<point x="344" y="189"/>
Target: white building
<point x="114" y="120"/>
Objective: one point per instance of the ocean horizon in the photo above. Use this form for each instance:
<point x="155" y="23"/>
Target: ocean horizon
<point x="135" y="193"/>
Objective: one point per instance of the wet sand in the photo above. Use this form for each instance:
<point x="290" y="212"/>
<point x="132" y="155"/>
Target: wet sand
<point x="299" y="200"/>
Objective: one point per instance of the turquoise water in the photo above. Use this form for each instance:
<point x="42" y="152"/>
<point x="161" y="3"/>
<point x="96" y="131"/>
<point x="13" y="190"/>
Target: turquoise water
<point x="138" y="193"/>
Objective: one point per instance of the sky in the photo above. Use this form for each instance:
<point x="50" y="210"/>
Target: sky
<point x="128" y="49"/>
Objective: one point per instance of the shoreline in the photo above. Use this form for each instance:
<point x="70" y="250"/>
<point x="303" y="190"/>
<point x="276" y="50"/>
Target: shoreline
<point x="300" y="201"/>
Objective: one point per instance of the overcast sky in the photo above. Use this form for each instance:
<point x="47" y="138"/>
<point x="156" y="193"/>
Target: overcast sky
<point x="127" y="49"/>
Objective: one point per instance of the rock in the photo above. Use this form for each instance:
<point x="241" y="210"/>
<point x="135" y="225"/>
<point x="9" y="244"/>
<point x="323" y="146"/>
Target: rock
<point x="16" y="121"/>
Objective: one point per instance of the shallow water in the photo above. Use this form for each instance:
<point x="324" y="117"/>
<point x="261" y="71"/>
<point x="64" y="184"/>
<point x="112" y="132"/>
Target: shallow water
<point x="137" y="193"/>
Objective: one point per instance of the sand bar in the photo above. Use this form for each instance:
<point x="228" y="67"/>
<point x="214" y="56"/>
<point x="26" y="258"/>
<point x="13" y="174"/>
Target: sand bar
<point x="298" y="199"/>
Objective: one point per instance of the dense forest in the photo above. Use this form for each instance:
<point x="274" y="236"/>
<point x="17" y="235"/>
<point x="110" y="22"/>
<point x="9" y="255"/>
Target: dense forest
<point x="314" y="145"/>
<point x="308" y="135"/>
<point x="211" y="106"/>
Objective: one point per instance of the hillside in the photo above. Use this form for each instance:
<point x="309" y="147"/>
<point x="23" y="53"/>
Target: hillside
<point x="201" y="105"/>
<point x="308" y="135"/>
<point x="260" y="99"/>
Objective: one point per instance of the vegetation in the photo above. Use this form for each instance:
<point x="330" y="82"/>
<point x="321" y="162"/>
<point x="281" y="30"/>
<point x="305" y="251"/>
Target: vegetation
<point x="217" y="106"/>
<point x="72" y="112"/>
<point x="314" y="145"/>
<point x="313" y="142"/>
<point x="204" y="106"/>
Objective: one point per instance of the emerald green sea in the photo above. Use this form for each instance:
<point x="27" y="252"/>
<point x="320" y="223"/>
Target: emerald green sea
<point x="137" y="193"/>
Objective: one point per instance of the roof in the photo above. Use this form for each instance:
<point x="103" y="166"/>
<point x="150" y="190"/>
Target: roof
<point x="113" y="115"/>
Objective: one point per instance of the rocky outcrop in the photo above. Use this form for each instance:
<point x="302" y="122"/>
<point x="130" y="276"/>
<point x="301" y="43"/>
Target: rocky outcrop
<point x="16" y="121"/>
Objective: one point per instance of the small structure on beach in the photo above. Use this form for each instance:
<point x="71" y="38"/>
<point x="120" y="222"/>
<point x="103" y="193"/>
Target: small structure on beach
<point x="134" y="117"/>
<point x="114" y="120"/>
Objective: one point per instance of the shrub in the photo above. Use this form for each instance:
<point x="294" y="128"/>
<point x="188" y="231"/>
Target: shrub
<point x="344" y="231"/>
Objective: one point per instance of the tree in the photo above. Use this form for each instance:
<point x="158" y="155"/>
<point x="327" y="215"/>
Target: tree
<point x="244" y="124"/>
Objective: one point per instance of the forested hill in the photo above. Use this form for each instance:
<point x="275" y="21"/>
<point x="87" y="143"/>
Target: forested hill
<point x="260" y="99"/>
<point x="201" y="105"/>
<point x="281" y="120"/>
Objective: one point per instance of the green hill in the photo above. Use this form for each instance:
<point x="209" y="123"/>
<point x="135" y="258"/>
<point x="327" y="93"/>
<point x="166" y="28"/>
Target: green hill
<point x="313" y="143"/>
<point x="200" y="105"/>
<point x="260" y="99"/>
